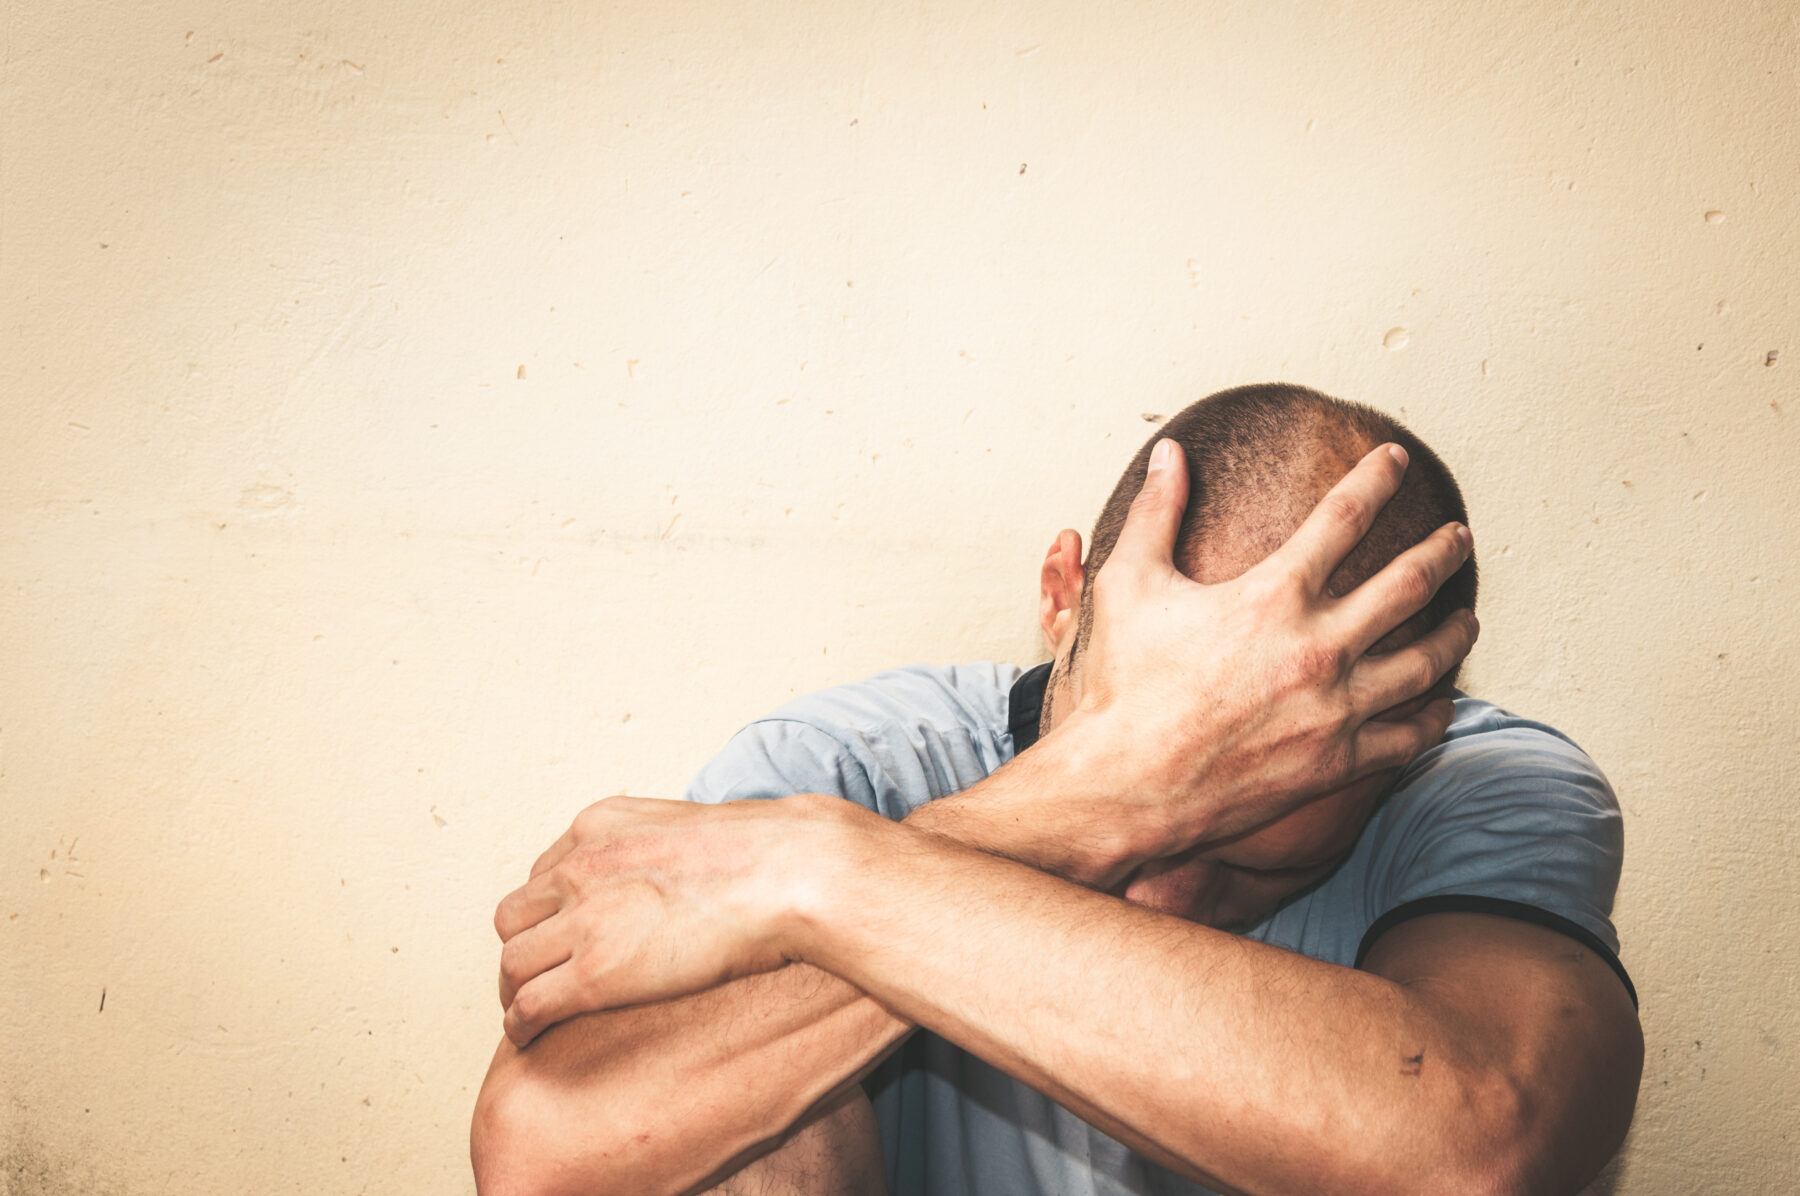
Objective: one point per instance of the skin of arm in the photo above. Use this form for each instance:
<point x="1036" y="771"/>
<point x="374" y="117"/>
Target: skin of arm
<point x="764" y="1070"/>
<point x="1476" y="1054"/>
<point x="671" y="1098"/>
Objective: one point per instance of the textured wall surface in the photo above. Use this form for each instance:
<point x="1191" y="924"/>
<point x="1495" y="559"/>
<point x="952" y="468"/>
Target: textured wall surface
<point x="417" y="420"/>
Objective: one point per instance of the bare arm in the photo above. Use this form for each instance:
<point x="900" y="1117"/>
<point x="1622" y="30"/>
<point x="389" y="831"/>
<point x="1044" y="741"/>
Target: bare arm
<point x="674" y="1096"/>
<point x="660" y="1098"/>
<point x="1477" y="1054"/>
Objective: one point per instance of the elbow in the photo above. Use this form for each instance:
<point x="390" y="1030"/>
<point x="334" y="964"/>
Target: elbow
<point x="1472" y="1134"/>
<point x="517" y="1147"/>
<point x="1515" y="1142"/>
<point x="1496" y="1152"/>
<point x="505" y="1145"/>
<point x="526" y="1139"/>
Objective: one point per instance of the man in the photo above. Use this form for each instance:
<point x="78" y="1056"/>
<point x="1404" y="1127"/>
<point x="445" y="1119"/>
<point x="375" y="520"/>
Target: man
<point x="1344" y="959"/>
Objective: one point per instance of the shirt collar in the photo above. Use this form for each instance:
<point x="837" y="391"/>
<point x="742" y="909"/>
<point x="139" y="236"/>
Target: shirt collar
<point x="1025" y="706"/>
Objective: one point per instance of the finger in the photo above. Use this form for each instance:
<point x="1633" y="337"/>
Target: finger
<point x="531" y="953"/>
<point x="1343" y="517"/>
<point x="1152" y="523"/>
<point x="1382" y="682"/>
<point x="1403" y="587"/>
<point x="548" y="999"/>
<point x="1381" y="745"/>
<point x="527" y="905"/>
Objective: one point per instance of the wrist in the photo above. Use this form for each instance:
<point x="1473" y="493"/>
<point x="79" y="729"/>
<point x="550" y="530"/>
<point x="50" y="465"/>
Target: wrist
<point x="1138" y="810"/>
<point x="1068" y="807"/>
<point x="823" y="844"/>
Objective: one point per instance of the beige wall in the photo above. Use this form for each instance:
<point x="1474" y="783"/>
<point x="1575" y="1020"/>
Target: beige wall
<point x="421" y="419"/>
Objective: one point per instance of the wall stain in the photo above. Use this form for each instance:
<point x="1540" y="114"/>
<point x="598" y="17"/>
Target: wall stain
<point x="28" y="1169"/>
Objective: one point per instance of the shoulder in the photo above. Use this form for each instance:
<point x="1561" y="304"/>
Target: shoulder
<point x="1495" y="765"/>
<point x="890" y="742"/>
<point x="1505" y="808"/>
<point x="938" y="696"/>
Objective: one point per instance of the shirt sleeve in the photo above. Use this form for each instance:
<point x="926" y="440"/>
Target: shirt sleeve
<point x="1516" y="822"/>
<point x="776" y="758"/>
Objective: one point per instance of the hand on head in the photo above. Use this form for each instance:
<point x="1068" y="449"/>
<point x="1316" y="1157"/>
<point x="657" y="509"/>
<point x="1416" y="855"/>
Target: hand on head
<point x="1221" y="708"/>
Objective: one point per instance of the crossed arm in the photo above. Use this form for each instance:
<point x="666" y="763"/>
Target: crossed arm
<point x="1473" y="1054"/>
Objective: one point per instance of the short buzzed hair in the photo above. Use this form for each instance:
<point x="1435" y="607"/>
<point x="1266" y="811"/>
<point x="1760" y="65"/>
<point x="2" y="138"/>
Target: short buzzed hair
<point x="1259" y="459"/>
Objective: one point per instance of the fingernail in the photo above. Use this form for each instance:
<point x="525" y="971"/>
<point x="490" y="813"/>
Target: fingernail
<point x="1464" y="536"/>
<point x="1398" y="454"/>
<point x="1159" y="456"/>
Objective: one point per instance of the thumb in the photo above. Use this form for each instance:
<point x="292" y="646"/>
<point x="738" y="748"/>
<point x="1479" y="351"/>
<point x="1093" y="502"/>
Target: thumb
<point x="1147" y="541"/>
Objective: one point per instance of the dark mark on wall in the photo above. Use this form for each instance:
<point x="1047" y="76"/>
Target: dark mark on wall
<point x="1021" y="168"/>
<point x="103" y="1000"/>
<point x="1773" y="357"/>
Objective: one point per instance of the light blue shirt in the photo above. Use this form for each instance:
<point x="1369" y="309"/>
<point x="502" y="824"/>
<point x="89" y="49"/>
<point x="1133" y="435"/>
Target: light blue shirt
<point x="1505" y="816"/>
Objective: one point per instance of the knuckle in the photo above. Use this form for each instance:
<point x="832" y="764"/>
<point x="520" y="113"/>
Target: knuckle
<point x="1151" y="494"/>
<point x="1415" y="584"/>
<point x="1343" y="511"/>
<point x="1262" y="586"/>
<point x="590" y="968"/>
<point x="1317" y="662"/>
<point x="1113" y="583"/>
<point x="1286" y="592"/>
<point x="1401" y="749"/>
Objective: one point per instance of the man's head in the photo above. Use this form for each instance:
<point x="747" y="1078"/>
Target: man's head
<point x="1259" y="459"/>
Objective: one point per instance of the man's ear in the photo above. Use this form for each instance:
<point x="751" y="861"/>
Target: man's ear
<point x="1059" y="590"/>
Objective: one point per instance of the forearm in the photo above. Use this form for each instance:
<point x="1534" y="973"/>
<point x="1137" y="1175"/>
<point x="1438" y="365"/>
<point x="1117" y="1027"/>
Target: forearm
<point x="1242" y="1065"/>
<point x="669" y="1096"/>
<point x="664" y="1098"/>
